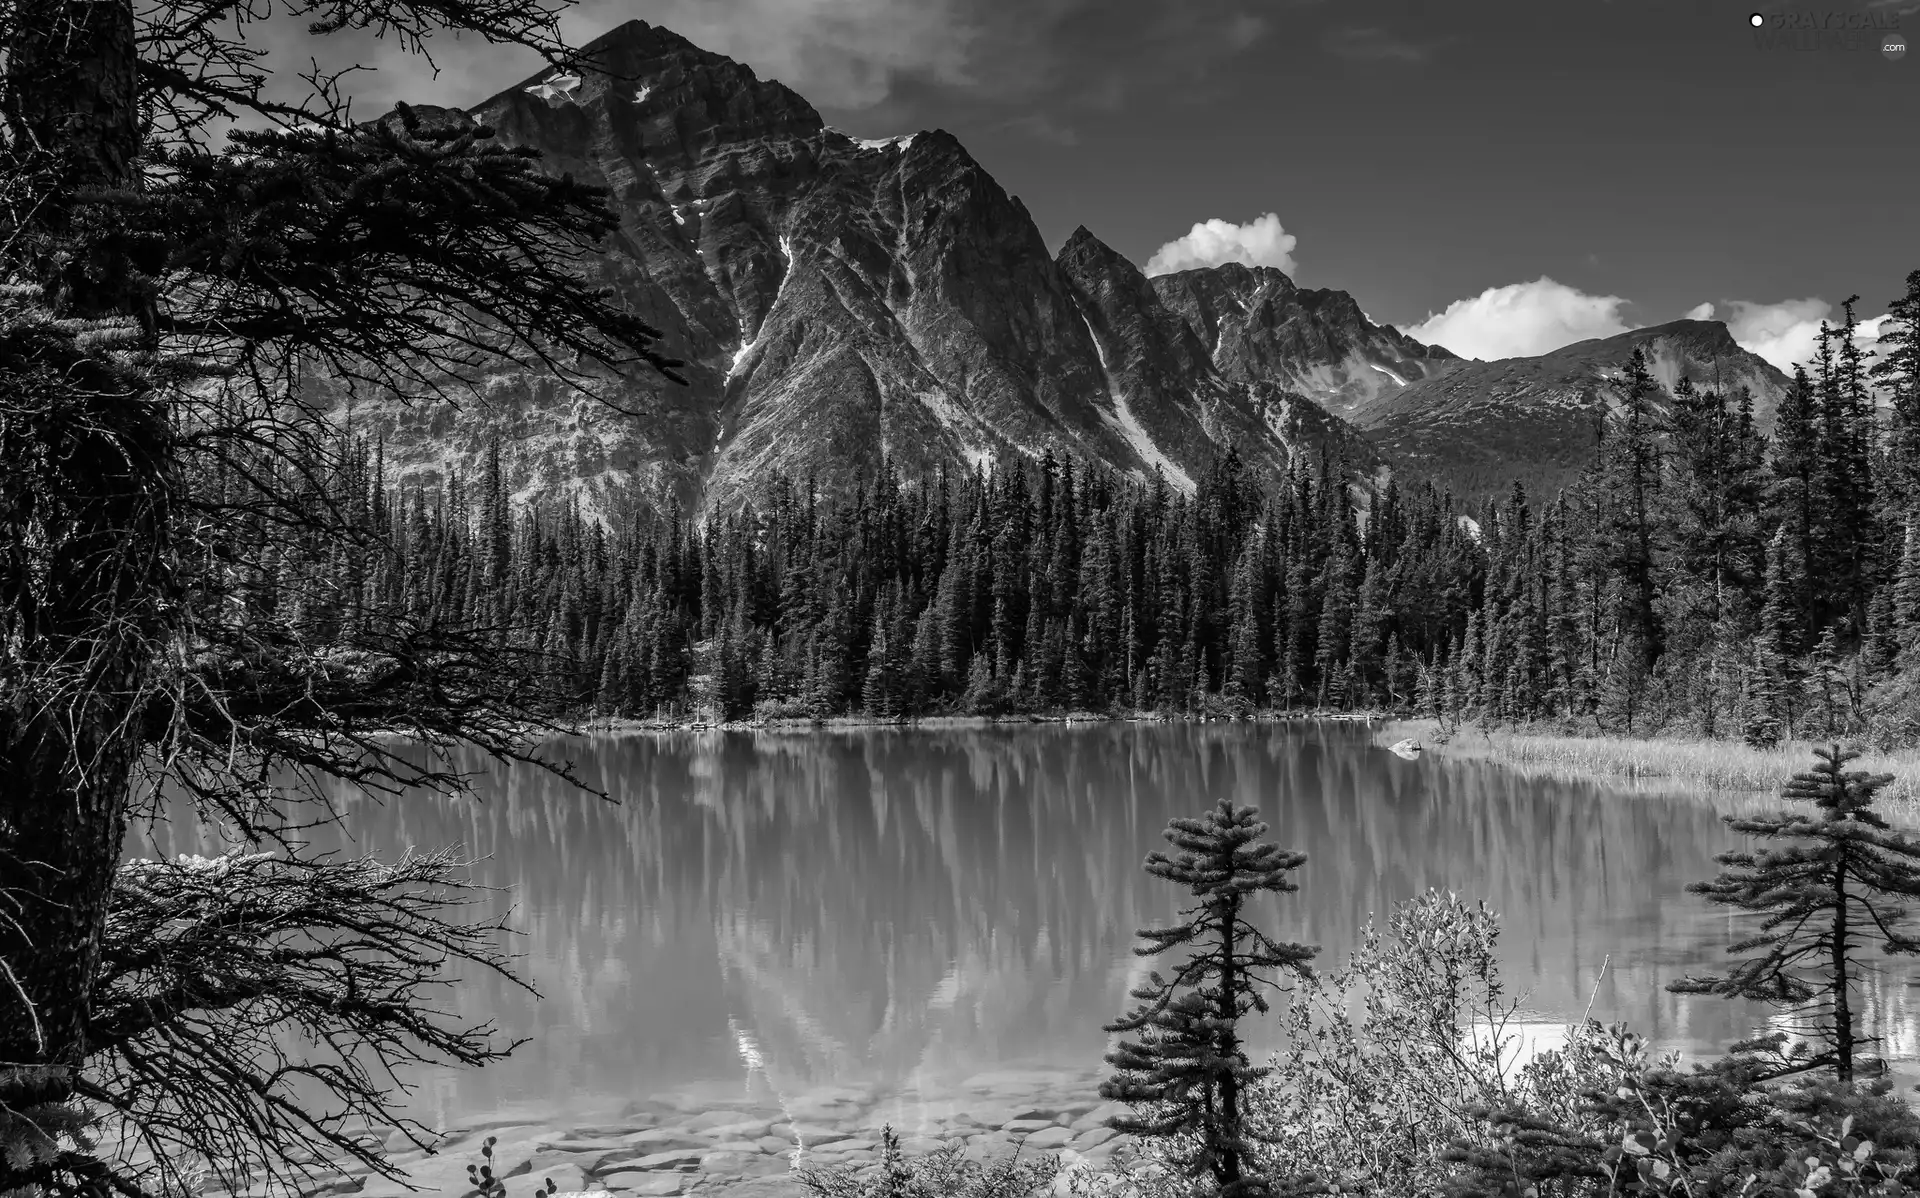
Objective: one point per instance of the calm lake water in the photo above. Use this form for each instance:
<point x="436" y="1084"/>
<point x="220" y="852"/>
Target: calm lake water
<point x="907" y="907"/>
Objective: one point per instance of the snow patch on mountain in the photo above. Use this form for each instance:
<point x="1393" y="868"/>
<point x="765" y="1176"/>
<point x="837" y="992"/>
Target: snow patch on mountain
<point x="902" y="140"/>
<point x="950" y="416"/>
<point x="1129" y="424"/>
<point x="1390" y="374"/>
<point x="746" y="346"/>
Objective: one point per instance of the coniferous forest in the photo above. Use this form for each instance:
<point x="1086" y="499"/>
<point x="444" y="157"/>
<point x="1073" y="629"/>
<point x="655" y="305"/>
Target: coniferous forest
<point x="1700" y="577"/>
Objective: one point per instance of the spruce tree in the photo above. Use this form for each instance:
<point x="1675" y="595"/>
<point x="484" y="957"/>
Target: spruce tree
<point x="1187" y="1074"/>
<point x="1898" y="370"/>
<point x="1832" y="890"/>
<point x="1630" y="466"/>
<point x="1844" y="564"/>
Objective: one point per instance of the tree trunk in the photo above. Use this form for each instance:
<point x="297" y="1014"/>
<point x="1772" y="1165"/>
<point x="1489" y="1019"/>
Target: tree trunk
<point x="1842" y="1007"/>
<point x="82" y="591"/>
<point x="1227" y="1156"/>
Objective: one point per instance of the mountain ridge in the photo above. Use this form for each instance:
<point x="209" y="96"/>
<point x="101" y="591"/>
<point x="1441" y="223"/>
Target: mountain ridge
<point x="842" y="300"/>
<point x="1479" y="425"/>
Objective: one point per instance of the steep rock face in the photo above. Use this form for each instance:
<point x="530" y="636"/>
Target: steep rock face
<point x="1164" y="393"/>
<point x="836" y="300"/>
<point x="1480" y="425"/>
<point x="1257" y="326"/>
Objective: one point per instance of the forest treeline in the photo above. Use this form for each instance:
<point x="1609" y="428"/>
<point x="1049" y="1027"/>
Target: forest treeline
<point x="1698" y="577"/>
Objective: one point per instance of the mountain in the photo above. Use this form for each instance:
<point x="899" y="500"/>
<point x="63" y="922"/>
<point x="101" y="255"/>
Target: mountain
<point x="1476" y="426"/>
<point x="841" y="299"/>
<point x="1258" y="326"/>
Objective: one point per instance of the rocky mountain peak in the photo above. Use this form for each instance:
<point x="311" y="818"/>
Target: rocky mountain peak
<point x="660" y="96"/>
<point x="843" y="299"/>
<point x="1258" y="325"/>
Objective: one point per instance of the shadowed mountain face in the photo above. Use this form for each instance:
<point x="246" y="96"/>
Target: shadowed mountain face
<point x="838" y="301"/>
<point x="1258" y="327"/>
<point x="1479" y="425"/>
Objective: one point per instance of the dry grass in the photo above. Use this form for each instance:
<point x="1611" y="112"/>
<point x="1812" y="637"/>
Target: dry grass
<point x="1726" y="773"/>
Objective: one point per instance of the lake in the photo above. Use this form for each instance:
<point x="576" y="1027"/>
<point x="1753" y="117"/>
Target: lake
<point x="903" y="908"/>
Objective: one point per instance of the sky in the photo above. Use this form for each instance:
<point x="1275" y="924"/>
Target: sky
<point x="1497" y="176"/>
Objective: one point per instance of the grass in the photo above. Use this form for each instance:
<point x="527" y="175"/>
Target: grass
<point x="1713" y="769"/>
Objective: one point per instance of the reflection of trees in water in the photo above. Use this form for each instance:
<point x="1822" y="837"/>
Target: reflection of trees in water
<point x="886" y="904"/>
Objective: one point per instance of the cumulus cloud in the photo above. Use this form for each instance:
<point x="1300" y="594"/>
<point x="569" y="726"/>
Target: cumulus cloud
<point x="1259" y="242"/>
<point x="1521" y="320"/>
<point x="1701" y="311"/>
<point x="1788" y="333"/>
<point x="1784" y="333"/>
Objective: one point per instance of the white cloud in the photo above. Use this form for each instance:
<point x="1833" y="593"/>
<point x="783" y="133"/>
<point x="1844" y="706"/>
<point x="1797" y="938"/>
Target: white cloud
<point x="1782" y="333"/>
<point x="1787" y="333"/>
<point x="1521" y="320"/>
<point x="1701" y="311"/>
<point x="1259" y="242"/>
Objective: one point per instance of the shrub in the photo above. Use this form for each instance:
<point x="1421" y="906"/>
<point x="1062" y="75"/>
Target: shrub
<point x="943" y="1173"/>
<point x="1375" y="1099"/>
<point x="1728" y="1127"/>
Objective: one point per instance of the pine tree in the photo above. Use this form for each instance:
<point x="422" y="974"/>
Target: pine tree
<point x="1793" y="503"/>
<point x="1899" y="372"/>
<point x="1187" y="1074"/>
<point x="1631" y="470"/>
<point x="1834" y="889"/>
<point x="1245" y="662"/>
<point x="1843" y="564"/>
<point x="1906" y="597"/>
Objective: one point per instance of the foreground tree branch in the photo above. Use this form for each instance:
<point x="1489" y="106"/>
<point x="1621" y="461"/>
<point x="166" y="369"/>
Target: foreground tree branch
<point x="212" y="969"/>
<point x="177" y="547"/>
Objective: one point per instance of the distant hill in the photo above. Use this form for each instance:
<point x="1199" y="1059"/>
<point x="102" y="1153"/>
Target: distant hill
<point x="1477" y="426"/>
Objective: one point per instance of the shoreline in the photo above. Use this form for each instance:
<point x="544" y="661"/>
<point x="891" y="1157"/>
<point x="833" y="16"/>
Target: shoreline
<point x="1727" y="773"/>
<point x="617" y="725"/>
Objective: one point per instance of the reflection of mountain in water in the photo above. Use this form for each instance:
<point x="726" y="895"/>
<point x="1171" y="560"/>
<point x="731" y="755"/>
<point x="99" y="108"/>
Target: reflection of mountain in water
<point x="908" y="907"/>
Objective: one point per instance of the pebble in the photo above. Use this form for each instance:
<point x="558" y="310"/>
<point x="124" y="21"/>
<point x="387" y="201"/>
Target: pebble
<point x="713" y="1119"/>
<point x="1098" y="1116"/>
<point x="583" y="1146"/>
<point x="662" y="1139"/>
<point x="651" y="1161"/>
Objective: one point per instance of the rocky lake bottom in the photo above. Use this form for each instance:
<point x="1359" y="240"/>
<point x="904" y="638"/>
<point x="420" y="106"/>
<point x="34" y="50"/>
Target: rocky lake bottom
<point x="745" y="1146"/>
